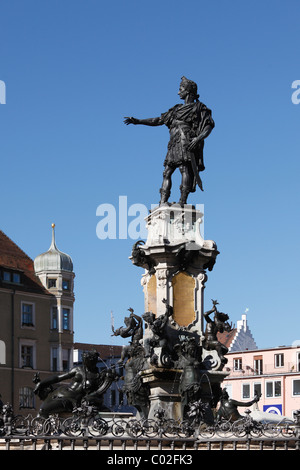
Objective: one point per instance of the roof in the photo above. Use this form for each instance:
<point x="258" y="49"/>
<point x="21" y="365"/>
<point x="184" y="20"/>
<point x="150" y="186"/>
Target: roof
<point x="105" y="350"/>
<point x="13" y="258"/>
<point x="53" y="259"/>
<point x="226" y="337"/>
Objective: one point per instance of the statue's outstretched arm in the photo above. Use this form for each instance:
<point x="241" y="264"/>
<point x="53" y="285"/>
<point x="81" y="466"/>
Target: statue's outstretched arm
<point x="157" y="121"/>
<point x="54" y="379"/>
<point x="245" y="403"/>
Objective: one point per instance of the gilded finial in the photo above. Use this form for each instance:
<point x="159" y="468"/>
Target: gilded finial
<point x="52" y="225"/>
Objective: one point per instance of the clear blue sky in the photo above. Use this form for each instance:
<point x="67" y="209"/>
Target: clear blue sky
<point x="73" y="69"/>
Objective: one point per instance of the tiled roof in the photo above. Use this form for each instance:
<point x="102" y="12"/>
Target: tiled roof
<point x="13" y="258"/>
<point x="226" y="338"/>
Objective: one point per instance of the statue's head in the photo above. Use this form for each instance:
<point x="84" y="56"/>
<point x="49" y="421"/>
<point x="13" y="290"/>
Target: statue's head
<point x="222" y="317"/>
<point x="189" y="86"/>
<point x="224" y="394"/>
<point x="90" y="357"/>
<point x="148" y="317"/>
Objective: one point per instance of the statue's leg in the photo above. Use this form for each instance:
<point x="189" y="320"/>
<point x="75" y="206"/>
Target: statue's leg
<point x="165" y="189"/>
<point x="186" y="182"/>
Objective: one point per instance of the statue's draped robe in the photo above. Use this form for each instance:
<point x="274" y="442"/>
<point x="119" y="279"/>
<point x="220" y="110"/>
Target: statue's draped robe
<point x="186" y="121"/>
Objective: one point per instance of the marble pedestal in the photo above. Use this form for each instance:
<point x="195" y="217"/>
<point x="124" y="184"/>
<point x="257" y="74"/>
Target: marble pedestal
<point x="176" y="258"/>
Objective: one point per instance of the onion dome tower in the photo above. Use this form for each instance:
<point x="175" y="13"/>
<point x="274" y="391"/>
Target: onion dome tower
<point x="55" y="270"/>
<point x="53" y="262"/>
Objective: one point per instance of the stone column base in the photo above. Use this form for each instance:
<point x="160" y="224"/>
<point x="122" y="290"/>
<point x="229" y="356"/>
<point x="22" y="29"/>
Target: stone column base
<point x="164" y="391"/>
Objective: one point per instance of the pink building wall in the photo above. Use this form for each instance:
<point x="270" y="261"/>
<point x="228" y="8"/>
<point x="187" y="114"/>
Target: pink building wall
<point x="274" y="372"/>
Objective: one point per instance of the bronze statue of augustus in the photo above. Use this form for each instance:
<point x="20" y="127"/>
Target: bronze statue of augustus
<point x="189" y="124"/>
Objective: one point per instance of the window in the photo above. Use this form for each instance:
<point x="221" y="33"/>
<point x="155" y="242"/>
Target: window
<point x="257" y="389"/>
<point x="54" y="359"/>
<point x="279" y="360"/>
<point x="66" y="318"/>
<point x="11" y="277"/>
<point x="51" y="283"/>
<point x="66" y="359"/>
<point x="237" y="363"/>
<point x="16" y="278"/>
<point x="54" y="318"/>
<point x="298" y="362"/>
<point x="246" y="391"/>
<point x="27" y="314"/>
<point x="66" y="284"/>
<point x="6" y="276"/>
<point x="258" y="366"/>
<point x="296" y="387"/>
<point x="26" y="356"/>
<point x="26" y="397"/>
<point x="273" y="389"/>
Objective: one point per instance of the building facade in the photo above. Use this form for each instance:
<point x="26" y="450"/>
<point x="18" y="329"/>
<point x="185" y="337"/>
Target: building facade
<point x="273" y="373"/>
<point x="36" y="318"/>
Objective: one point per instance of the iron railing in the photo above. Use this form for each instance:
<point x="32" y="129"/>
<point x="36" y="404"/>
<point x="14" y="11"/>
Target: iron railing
<point x="155" y="445"/>
<point x="89" y="430"/>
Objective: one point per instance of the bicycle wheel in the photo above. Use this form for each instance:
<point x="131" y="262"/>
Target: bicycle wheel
<point x="118" y="428"/>
<point x="134" y="428"/>
<point x="271" y="430"/>
<point x="239" y="428"/>
<point x="224" y="429"/>
<point x="97" y="426"/>
<point x="52" y="425"/>
<point x="20" y="425"/>
<point x="37" y="426"/>
<point x="256" y="430"/>
<point x="207" y="430"/>
<point x="287" y="429"/>
<point x="72" y="427"/>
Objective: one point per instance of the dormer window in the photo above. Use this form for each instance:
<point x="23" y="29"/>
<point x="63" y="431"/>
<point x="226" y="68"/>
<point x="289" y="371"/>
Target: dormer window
<point x="11" y="277"/>
<point x="16" y="278"/>
<point x="6" y="276"/>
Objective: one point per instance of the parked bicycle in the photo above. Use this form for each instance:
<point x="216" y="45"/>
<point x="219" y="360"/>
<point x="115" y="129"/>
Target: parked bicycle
<point x="160" y="425"/>
<point x="46" y="426"/>
<point x="85" y="421"/>
<point x="247" y="426"/>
